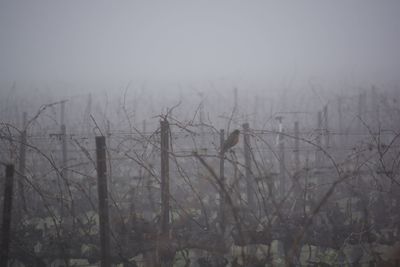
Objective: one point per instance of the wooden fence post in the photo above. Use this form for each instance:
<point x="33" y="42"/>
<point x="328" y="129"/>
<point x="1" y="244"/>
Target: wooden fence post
<point x="296" y="146"/>
<point x="247" y="160"/>
<point x="222" y="178"/>
<point x="282" y="167"/>
<point x="7" y="209"/>
<point x="361" y="112"/>
<point x="375" y="116"/>
<point x="201" y="121"/>
<point x="340" y="138"/>
<point x="318" y="152"/>
<point x="63" y="142"/>
<point x="164" y="177"/>
<point x="164" y="251"/>
<point x="22" y="163"/>
<point x="326" y="128"/>
<point x="103" y="201"/>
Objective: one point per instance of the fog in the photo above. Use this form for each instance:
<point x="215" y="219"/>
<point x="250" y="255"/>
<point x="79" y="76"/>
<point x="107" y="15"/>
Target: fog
<point x="99" y="42"/>
<point x="199" y="133"/>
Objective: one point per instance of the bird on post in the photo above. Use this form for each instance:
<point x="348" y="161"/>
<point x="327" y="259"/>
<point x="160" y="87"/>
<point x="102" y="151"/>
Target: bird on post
<point x="231" y="141"/>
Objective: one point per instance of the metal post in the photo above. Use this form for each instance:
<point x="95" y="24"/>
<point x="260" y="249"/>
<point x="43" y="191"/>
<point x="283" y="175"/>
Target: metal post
<point x="281" y="157"/>
<point x="236" y="100"/>
<point x="103" y="201"/>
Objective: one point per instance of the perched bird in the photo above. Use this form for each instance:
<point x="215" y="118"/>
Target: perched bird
<point x="231" y="141"/>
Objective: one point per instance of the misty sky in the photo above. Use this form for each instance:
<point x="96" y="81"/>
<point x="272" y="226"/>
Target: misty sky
<point x="198" y="40"/>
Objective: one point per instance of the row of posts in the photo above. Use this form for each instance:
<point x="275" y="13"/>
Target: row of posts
<point x="322" y="141"/>
<point x="163" y="258"/>
<point x="103" y="204"/>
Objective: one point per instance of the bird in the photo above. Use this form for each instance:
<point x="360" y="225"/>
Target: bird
<point x="231" y="141"/>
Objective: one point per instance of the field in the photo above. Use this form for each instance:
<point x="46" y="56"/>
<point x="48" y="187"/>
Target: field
<point x="93" y="180"/>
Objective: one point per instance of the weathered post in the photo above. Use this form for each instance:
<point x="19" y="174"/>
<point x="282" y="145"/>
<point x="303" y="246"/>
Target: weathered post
<point x="22" y="163"/>
<point x="86" y="116"/>
<point x="236" y="100"/>
<point x="296" y="146"/>
<point x="256" y="111"/>
<point x="64" y="169"/>
<point x="201" y="121"/>
<point x="326" y="127"/>
<point x="7" y="209"/>
<point x="296" y="151"/>
<point x="340" y="114"/>
<point x="247" y="162"/>
<point x="63" y="142"/>
<point x="165" y="253"/>
<point x="103" y="201"/>
<point x="318" y="154"/>
<point x="282" y="167"/>
<point x="362" y="102"/>
<point x="164" y="177"/>
<point x="222" y="180"/>
<point x="340" y="139"/>
<point x="282" y="184"/>
<point x="375" y="110"/>
<point x="108" y="140"/>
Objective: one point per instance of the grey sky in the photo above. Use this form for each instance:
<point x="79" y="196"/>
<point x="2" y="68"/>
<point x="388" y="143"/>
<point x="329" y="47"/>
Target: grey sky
<point x="198" y="40"/>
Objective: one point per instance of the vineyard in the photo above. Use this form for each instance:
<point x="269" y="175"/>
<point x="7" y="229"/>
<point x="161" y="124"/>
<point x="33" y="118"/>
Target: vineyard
<point x="312" y="185"/>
